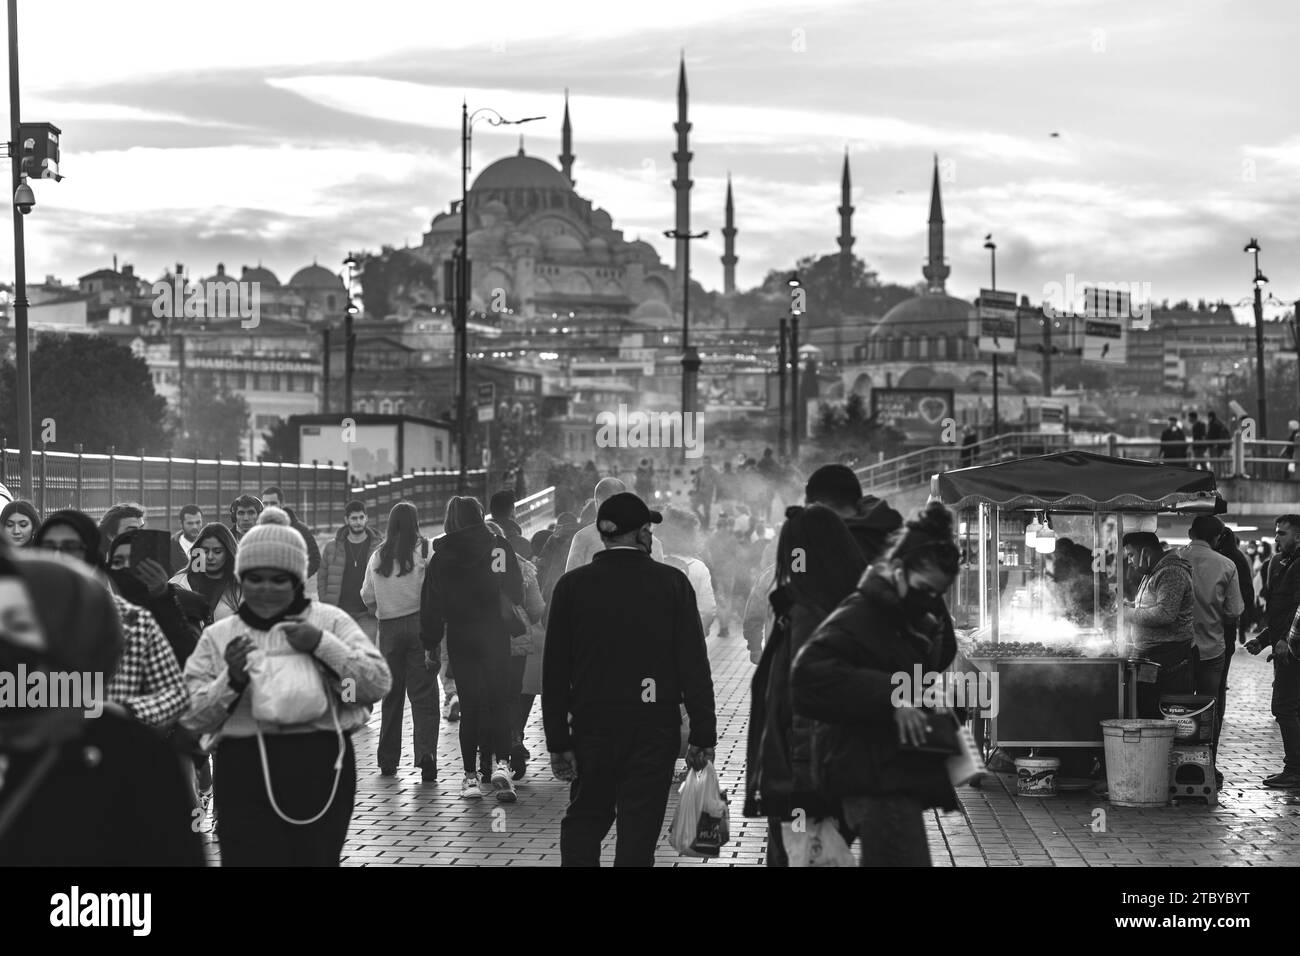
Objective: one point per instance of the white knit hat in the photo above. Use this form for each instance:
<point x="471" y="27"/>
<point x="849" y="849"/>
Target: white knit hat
<point x="272" y="546"/>
<point x="274" y="515"/>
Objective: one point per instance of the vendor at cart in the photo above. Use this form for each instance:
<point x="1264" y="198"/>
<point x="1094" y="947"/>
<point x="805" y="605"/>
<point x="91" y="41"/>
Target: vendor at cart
<point x="1162" y="616"/>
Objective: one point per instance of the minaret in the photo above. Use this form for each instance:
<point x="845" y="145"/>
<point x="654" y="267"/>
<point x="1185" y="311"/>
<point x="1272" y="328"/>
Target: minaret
<point x="935" y="271"/>
<point x="682" y="184"/>
<point x="566" y="143"/>
<point x="729" y="245"/>
<point x="846" y="222"/>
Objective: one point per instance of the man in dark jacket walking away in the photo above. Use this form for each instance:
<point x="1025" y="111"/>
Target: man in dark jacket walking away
<point x="624" y="649"/>
<point x="1173" y="444"/>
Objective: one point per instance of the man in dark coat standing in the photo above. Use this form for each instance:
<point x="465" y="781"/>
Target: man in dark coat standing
<point x="624" y="649"/>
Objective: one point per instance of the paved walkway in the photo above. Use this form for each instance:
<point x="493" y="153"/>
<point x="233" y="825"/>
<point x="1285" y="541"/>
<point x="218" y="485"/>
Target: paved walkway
<point x="401" y="821"/>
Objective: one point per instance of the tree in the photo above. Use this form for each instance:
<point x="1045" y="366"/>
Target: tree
<point x="1280" y="393"/>
<point x="830" y="295"/>
<point x="393" y="278"/>
<point x="281" y="442"/>
<point x="212" y="426"/>
<point x="94" y="391"/>
<point x="1080" y="374"/>
<point x="849" y="428"/>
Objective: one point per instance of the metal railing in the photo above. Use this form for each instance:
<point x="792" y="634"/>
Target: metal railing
<point x="94" y="483"/>
<point x="1236" y="458"/>
<point x="317" y="492"/>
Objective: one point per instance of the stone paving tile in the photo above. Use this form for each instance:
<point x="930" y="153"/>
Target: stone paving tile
<point x="403" y="822"/>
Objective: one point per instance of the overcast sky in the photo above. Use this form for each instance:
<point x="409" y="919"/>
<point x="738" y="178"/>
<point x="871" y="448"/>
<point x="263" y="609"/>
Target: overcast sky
<point x="285" y="132"/>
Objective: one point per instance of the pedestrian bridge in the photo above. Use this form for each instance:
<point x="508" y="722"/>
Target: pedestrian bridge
<point x="1251" y="477"/>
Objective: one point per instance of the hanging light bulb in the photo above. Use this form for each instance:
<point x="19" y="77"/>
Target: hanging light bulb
<point x="1031" y="532"/>
<point x="1045" y="540"/>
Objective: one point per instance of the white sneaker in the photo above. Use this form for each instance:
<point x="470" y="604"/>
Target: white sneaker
<point x="502" y="784"/>
<point x="469" y="789"/>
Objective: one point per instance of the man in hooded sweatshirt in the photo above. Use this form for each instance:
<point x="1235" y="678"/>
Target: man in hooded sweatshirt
<point x="870" y="520"/>
<point x="1163" y="616"/>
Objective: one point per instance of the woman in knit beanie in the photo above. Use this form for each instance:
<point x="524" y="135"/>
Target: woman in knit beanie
<point x="84" y="541"/>
<point x="19" y="521"/>
<point x="472" y="573"/>
<point x="297" y="811"/>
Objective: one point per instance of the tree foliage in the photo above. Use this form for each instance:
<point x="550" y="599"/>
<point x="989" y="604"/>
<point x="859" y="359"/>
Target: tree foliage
<point x="96" y="392"/>
<point x="281" y="442"/>
<point x="212" y="425"/>
<point x="392" y="279"/>
<point x="831" y="295"/>
<point x="848" y="428"/>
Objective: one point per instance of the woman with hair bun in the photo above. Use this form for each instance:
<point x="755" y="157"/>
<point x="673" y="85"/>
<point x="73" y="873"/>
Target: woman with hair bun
<point x="864" y="750"/>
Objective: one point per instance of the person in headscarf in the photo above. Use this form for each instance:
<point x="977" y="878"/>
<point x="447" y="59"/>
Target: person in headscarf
<point x="76" y="791"/>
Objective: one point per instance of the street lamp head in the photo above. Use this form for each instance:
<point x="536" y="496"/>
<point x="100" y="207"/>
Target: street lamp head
<point x="793" y="281"/>
<point x="1252" y="246"/>
<point x="990" y="244"/>
<point x="350" y="261"/>
<point x="1260" y="279"/>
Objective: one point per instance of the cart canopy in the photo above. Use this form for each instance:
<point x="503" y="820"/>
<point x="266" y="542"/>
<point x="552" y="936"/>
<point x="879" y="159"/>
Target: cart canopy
<point x="1079" y="481"/>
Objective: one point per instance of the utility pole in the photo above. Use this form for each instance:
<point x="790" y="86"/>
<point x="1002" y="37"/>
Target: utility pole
<point x="23" y="358"/>
<point x="1259" y="280"/>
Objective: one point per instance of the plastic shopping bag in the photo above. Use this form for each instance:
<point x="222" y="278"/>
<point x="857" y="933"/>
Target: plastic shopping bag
<point x="967" y="765"/>
<point x="702" y="822"/>
<point x="816" y="844"/>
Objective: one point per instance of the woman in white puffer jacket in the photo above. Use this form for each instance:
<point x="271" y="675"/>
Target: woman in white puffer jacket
<point x="283" y="791"/>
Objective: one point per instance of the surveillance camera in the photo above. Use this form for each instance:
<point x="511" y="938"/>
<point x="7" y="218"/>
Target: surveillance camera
<point x="24" y="198"/>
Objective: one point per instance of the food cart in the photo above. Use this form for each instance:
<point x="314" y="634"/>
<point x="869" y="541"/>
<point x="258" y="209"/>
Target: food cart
<point x="1039" y="600"/>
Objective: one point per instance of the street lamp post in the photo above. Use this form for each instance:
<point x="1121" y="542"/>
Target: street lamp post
<point x="467" y="120"/>
<point x="349" y="338"/>
<point x="22" y="354"/>
<point x="992" y="247"/>
<point x="796" y="403"/>
<point x="690" y="355"/>
<point x="1259" y="280"/>
<point x="781" y="361"/>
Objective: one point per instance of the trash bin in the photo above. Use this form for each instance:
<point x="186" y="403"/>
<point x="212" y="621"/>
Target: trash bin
<point x="1137" y="761"/>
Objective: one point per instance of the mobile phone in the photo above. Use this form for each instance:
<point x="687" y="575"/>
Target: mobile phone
<point x="151" y="543"/>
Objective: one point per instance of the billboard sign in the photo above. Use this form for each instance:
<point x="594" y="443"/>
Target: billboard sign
<point x="919" y="413"/>
<point x="998" y="324"/>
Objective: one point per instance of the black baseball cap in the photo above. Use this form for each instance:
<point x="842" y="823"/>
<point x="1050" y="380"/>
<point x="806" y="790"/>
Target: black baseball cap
<point x="624" y="512"/>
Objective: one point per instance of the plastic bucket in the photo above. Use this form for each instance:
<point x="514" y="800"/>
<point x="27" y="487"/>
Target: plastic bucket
<point x="1137" y="761"/>
<point x="1036" y="776"/>
<point x="1194" y="715"/>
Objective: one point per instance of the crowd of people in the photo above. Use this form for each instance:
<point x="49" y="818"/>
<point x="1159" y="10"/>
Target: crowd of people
<point x="241" y="658"/>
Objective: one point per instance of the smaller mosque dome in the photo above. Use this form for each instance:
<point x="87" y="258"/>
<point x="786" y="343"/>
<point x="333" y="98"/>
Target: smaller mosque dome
<point x="652" y="310"/>
<point x="524" y="239"/>
<point x="260" y="275"/>
<point x="222" y="276"/>
<point x="315" y="277"/>
<point x="495" y="208"/>
<point x="641" y="251"/>
<point x="563" y="243"/>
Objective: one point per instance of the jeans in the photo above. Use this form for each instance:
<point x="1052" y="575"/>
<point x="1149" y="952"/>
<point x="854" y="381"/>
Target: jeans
<point x="776" y="855"/>
<point x="1209" y="681"/>
<point x="1286" y="709"/>
<point x="515" y="696"/>
<point x="890" y="828"/>
<point x="367" y="622"/>
<point x="399" y="642"/>
<point x="624" y="773"/>
<point x="1223" y="681"/>
<point x="483" y="685"/>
